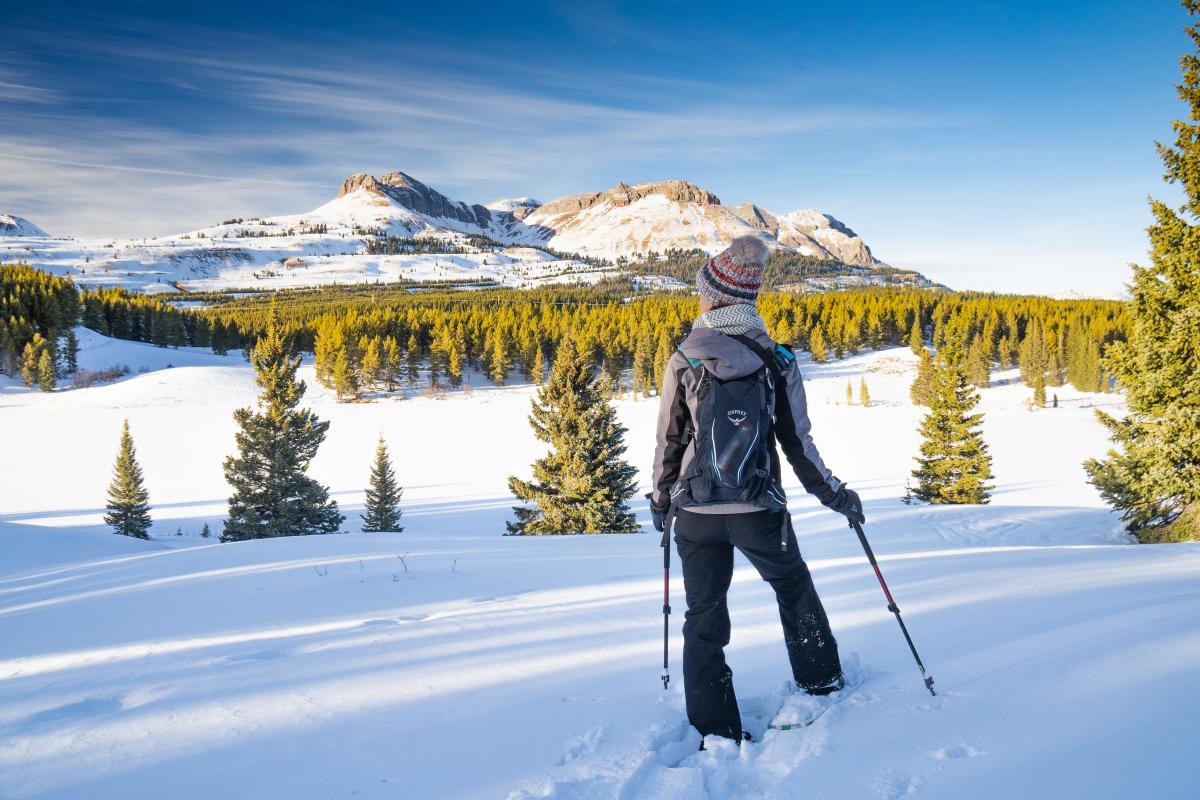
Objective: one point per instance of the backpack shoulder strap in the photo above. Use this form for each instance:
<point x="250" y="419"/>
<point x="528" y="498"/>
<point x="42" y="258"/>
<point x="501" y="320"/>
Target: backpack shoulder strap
<point x="776" y="362"/>
<point x="696" y="364"/>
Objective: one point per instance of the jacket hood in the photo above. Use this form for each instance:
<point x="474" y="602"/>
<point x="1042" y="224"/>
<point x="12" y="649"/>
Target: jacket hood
<point x="722" y="355"/>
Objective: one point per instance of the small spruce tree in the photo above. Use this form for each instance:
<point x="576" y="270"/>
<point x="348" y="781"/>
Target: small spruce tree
<point x="864" y="396"/>
<point x="383" y="495"/>
<point x="849" y="392"/>
<point x="272" y="492"/>
<point x="582" y="485"/>
<point x="205" y="532"/>
<point x="128" y="501"/>
<point x="953" y="465"/>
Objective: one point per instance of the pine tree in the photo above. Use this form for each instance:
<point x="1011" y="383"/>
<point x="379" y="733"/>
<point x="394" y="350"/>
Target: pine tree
<point x="582" y="485"/>
<point x="978" y="366"/>
<point x="128" y="501"/>
<point x="849" y="393"/>
<point x="205" y="532"/>
<point x="921" y="391"/>
<point x="345" y="378"/>
<point x="412" y="358"/>
<point x="31" y="358"/>
<point x="383" y="495"/>
<point x="1153" y="474"/>
<point x="45" y="371"/>
<point x="71" y="355"/>
<point x="498" y="362"/>
<point x="1039" y="389"/>
<point x="662" y="355"/>
<point x="454" y="365"/>
<point x="539" y="366"/>
<point x="954" y="465"/>
<point x="272" y="493"/>
<point x="864" y="396"/>
<point x="371" y="369"/>
<point x="916" y="339"/>
<point x="393" y="365"/>
<point x="817" y="346"/>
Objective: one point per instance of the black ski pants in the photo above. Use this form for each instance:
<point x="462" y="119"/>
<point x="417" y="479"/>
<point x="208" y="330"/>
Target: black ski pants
<point x="705" y="543"/>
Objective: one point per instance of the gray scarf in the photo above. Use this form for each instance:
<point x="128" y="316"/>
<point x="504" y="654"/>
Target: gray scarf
<point x="735" y="320"/>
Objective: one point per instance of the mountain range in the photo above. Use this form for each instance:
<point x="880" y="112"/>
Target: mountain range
<point x="394" y="227"/>
<point x="625" y="221"/>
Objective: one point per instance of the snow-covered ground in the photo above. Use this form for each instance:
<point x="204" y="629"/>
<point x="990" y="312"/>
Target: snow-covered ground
<point x="448" y="661"/>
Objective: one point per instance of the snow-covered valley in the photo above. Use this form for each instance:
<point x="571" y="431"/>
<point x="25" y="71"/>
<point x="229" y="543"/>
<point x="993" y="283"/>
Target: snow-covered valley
<point x="448" y="661"/>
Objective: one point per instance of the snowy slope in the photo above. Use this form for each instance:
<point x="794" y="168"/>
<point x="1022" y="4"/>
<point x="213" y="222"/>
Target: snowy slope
<point x="451" y="662"/>
<point x="11" y="225"/>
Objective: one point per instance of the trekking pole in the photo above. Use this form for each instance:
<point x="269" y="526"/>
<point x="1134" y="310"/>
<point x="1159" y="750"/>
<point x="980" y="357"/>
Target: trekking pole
<point x="892" y="607"/>
<point x="666" y="546"/>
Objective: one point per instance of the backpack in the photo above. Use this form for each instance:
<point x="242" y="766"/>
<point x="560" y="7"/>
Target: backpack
<point x="733" y="437"/>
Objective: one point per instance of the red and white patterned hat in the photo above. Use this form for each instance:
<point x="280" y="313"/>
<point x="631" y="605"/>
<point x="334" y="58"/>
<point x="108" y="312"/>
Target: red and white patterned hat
<point x="735" y="274"/>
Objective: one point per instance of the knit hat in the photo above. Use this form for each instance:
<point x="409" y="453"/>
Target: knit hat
<point x="735" y="274"/>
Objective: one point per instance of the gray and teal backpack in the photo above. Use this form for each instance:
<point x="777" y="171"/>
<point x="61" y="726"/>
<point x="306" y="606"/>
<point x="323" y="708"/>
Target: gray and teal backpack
<point x="734" y="436"/>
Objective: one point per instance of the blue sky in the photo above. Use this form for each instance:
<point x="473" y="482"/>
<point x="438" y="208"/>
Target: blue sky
<point x="993" y="145"/>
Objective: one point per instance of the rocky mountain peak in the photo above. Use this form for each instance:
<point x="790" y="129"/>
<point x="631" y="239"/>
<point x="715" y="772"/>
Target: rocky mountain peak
<point x="416" y="196"/>
<point x="624" y="194"/>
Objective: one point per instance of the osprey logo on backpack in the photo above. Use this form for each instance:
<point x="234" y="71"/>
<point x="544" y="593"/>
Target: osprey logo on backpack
<point x="736" y="415"/>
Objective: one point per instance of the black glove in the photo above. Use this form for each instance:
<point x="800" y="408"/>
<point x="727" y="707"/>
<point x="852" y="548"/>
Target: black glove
<point x="658" y="513"/>
<point x="847" y="502"/>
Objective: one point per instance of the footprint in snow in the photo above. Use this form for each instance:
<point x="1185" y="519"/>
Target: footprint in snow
<point x="961" y="750"/>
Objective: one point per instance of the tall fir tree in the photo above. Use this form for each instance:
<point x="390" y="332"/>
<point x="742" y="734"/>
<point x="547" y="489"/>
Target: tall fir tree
<point x="383" y="495"/>
<point x="272" y="492"/>
<point x="954" y="465"/>
<point x="582" y="485"/>
<point x="1153" y="475"/>
<point x="128" y="501"/>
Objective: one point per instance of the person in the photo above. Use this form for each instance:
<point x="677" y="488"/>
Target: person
<point x="729" y="341"/>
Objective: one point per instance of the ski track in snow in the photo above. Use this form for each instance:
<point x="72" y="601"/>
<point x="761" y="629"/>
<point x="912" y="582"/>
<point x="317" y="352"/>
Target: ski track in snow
<point x="448" y="661"/>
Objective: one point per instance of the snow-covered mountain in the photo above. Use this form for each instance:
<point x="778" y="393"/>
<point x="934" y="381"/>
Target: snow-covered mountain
<point x="12" y="225"/>
<point x="515" y="242"/>
<point x="628" y="220"/>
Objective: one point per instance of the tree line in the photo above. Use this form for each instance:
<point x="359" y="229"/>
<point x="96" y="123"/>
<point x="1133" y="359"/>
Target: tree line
<point x="379" y="338"/>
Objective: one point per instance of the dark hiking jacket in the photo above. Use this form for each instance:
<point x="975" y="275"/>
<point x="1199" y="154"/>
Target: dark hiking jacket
<point x="725" y="358"/>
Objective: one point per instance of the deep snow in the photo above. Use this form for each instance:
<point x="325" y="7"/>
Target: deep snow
<point x="448" y="661"/>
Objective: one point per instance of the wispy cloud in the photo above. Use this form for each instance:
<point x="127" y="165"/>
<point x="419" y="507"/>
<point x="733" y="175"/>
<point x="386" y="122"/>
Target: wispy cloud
<point x="474" y="125"/>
